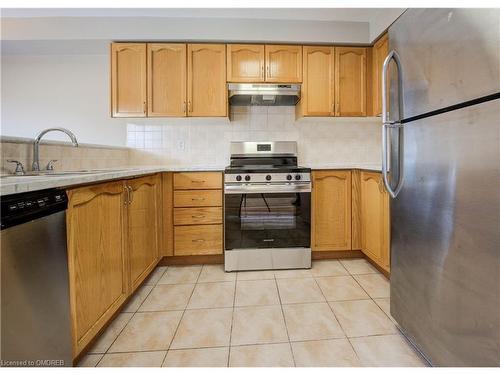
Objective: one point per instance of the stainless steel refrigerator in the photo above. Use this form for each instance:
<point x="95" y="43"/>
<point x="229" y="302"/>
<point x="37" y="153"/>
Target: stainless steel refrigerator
<point x="441" y="165"/>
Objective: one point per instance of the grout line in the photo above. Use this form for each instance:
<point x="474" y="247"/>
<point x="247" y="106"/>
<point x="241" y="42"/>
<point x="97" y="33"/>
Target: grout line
<point x="284" y="320"/>
<point x="232" y="319"/>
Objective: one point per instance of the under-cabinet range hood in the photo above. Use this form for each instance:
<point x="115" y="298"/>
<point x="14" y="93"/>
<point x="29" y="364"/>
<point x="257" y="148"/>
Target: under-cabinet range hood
<point x="265" y="94"/>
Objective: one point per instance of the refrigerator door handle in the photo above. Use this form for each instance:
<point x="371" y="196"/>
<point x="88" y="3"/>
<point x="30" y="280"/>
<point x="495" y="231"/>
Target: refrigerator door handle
<point x="387" y="124"/>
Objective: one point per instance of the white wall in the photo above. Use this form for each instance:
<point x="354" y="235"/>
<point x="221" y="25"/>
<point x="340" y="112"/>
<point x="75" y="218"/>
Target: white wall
<point x="72" y="91"/>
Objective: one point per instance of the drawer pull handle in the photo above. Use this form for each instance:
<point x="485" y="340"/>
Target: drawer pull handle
<point x="198" y="199"/>
<point x="198" y="182"/>
<point x="198" y="216"/>
<point x="198" y="240"/>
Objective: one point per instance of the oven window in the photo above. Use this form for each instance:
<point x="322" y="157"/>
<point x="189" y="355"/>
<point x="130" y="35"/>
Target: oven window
<point x="267" y="220"/>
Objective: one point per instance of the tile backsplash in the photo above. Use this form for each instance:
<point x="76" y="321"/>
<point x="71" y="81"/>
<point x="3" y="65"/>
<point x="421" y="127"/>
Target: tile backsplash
<point x="205" y="141"/>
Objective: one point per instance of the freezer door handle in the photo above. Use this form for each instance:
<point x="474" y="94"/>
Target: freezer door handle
<point x="387" y="124"/>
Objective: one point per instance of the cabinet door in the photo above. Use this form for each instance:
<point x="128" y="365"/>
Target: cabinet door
<point x="318" y="87"/>
<point x="128" y="80"/>
<point x="207" y="93"/>
<point x="167" y="80"/>
<point x="245" y="63"/>
<point x="96" y="257"/>
<point x="350" y="81"/>
<point x="331" y="216"/>
<point x="283" y="63"/>
<point x="375" y="219"/>
<point x="142" y="226"/>
<point x="167" y="226"/>
<point x="380" y="51"/>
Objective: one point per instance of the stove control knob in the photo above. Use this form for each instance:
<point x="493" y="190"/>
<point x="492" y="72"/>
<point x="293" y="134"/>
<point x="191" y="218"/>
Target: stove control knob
<point x="297" y="177"/>
<point x="289" y="177"/>
<point x="238" y="178"/>
<point x="247" y="178"/>
<point x="268" y="177"/>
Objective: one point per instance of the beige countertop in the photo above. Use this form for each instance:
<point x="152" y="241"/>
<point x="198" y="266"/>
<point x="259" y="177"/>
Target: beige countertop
<point x="20" y="184"/>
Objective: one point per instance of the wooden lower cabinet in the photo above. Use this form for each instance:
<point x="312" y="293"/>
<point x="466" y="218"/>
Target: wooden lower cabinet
<point x="97" y="258"/>
<point x="375" y="225"/>
<point x="331" y="210"/>
<point x="198" y="239"/>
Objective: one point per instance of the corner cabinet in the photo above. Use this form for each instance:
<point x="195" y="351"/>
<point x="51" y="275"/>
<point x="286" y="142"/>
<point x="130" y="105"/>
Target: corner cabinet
<point x="128" y="80"/>
<point x="375" y="225"/>
<point x="97" y="258"/>
<point x="206" y="84"/>
<point x="245" y="63"/>
<point x="350" y="81"/>
<point x="331" y="210"/>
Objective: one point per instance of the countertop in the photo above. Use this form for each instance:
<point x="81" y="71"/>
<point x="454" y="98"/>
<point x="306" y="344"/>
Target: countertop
<point x="20" y="184"/>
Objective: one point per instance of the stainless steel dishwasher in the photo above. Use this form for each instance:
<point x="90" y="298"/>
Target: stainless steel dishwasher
<point x="35" y="321"/>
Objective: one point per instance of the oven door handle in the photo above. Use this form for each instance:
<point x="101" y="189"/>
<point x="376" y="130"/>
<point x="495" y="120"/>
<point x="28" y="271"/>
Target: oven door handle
<point x="296" y="187"/>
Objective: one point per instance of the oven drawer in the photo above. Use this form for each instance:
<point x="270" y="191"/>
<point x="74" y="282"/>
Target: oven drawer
<point x="200" y="215"/>
<point x="198" y="240"/>
<point x="198" y="198"/>
<point x="197" y="180"/>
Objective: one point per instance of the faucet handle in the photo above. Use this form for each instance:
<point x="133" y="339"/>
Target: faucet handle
<point x="19" y="167"/>
<point x="50" y="165"/>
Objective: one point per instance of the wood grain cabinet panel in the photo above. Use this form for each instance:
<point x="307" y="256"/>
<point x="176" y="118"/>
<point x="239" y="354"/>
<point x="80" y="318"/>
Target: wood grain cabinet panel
<point x="197" y="198"/>
<point x="167" y="226"/>
<point x="375" y="229"/>
<point x="128" y="79"/>
<point x="167" y="75"/>
<point x="198" y="215"/>
<point x="198" y="240"/>
<point x="283" y="63"/>
<point x="331" y="210"/>
<point x="207" y="93"/>
<point x="197" y="180"/>
<point x="317" y="97"/>
<point x="380" y="51"/>
<point x="245" y="63"/>
<point x="98" y="276"/>
<point x="350" y="81"/>
<point x="143" y="215"/>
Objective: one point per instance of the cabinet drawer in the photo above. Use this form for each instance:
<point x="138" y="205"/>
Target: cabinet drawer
<point x="205" y="215"/>
<point x="197" y="198"/>
<point x="197" y="180"/>
<point x="198" y="240"/>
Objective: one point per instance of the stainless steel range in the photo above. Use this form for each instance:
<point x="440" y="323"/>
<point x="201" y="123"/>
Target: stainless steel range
<point x="267" y="210"/>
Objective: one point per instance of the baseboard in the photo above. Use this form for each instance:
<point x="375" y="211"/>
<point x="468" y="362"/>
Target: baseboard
<point x="336" y="254"/>
<point x="191" y="260"/>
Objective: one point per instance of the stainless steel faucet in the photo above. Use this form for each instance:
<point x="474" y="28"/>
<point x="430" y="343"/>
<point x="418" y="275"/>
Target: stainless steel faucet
<point x="36" y="159"/>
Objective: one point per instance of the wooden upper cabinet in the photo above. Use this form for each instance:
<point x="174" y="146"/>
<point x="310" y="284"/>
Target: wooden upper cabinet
<point x="283" y="63"/>
<point x="143" y="226"/>
<point x="375" y="219"/>
<point x="167" y="80"/>
<point x="317" y="98"/>
<point x="207" y="93"/>
<point x="380" y="51"/>
<point x="331" y="210"/>
<point x="350" y="81"/>
<point x="128" y="79"/>
<point x="245" y="63"/>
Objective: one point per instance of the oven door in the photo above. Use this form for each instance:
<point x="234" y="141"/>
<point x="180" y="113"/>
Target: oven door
<point x="268" y="217"/>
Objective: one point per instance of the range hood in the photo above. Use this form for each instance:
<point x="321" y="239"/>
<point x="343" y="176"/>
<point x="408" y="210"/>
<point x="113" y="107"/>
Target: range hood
<point x="265" y="94"/>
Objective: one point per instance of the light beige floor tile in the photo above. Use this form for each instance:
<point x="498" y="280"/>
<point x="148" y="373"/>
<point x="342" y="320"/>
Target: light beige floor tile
<point x="376" y="285"/>
<point x="299" y="291"/>
<point x="328" y="268"/>
<point x="147" y="331"/>
<point x="269" y="355"/>
<point x="203" y="328"/>
<point x="258" y="325"/>
<point x="155" y="275"/>
<point x="111" y="333"/>
<point x="138" y="359"/>
<point x="311" y="321"/>
<point x="168" y="297"/>
<point x="255" y="275"/>
<point x="209" y="295"/>
<point x="385" y="305"/>
<point x="358" y="266"/>
<point x="386" y="351"/>
<point x="256" y="293"/>
<point x="215" y="272"/>
<point x="180" y="275"/>
<point x="341" y="288"/>
<point x="292" y="274"/>
<point x="324" y="353"/>
<point x="362" y="318"/>
<point x="137" y="299"/>
<point x="90" y="360"/>
<point x="206" y="357"/>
